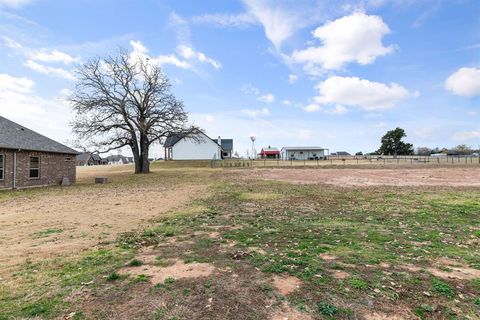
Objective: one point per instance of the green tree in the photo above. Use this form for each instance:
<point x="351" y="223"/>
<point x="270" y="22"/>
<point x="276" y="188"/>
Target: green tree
<point x="463" y="149"/>
<point x="392" y="143"/>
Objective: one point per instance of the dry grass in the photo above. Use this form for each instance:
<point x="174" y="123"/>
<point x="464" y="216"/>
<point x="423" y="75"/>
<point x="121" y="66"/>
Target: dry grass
<point x="43" y="223"/>
<point x="253" y="248"/>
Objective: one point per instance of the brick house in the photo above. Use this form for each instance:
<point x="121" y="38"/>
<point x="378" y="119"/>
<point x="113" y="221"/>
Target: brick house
<point x="28" y="159"/>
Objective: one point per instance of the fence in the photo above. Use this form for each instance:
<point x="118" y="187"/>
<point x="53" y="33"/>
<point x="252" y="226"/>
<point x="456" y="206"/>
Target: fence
<point x="344" y="161"/>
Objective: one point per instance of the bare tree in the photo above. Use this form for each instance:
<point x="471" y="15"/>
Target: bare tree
<point x="124" y="102"/>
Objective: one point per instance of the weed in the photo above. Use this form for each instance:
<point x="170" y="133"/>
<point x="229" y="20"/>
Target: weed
<point x="208" y="284"/>
<point x="135" y="263"/>
<point x="141" y="278"/>
<point x="113" y="276"/>
<point x="422" y="311"/>
<point x="442" y="288"/>
<point x="326" y="309"/>
<point x="46" y="233"/>
<point x="476" y="301"/>
<point x="358" y="283"/>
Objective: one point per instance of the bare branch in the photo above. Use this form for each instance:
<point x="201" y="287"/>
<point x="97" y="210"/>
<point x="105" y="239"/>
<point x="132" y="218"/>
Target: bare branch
<point x="124" y="102"/>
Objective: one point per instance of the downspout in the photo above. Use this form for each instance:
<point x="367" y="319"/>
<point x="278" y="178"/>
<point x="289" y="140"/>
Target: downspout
<point x="14" y="170"/>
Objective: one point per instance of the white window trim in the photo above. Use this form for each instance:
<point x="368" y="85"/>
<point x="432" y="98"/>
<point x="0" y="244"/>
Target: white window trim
<point x="30" y="167"/>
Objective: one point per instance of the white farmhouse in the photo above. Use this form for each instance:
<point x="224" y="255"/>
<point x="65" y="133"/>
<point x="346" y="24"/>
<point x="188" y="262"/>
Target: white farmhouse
<point x="302" y="153"/>
<point x="198" y="147"/>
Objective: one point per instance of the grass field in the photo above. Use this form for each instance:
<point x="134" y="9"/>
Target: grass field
<point x="248" y="246"/>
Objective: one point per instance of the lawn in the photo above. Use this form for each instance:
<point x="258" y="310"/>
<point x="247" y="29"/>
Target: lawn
<point x="257" y="249"/>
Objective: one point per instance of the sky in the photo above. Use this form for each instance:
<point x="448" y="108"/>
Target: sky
<point x="335" y="74"/>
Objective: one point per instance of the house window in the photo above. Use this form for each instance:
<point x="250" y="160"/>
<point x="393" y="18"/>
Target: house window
<point x="34" y="167"/>
<point x="2" y="166"/>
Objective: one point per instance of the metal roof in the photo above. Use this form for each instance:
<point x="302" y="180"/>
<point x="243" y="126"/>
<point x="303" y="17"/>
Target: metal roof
<point x="303" y="148"/>
<point x="15" y="136"/>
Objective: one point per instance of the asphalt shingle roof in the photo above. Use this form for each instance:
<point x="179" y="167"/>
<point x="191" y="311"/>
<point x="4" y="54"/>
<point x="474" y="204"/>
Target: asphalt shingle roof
<point x="226" y="144"/>
<point x="15" y="136"/>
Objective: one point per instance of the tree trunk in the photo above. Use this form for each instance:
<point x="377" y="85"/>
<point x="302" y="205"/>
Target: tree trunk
<point x="136" y="160"/>
<point x="143" y="159"/>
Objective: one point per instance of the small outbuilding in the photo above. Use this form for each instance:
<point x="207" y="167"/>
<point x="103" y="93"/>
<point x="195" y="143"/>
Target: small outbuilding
<point x="303" y="153"/>
<point x="29" y="159"/>
<point x="269" y="153"/>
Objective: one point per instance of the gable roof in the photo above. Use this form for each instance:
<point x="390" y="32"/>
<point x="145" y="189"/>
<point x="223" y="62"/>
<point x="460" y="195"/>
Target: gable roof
<point x="15" y="136"/>
<point x="96" y="157"/>
<point x="303" y="148"/>
<point x="226" y="144"/>
<point x="83" y="156"/>
<point x="172" y="140"/>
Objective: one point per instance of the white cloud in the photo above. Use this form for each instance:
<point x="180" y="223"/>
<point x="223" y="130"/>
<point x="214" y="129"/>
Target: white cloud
<point x="269" y="98"/>
<point x="286" y="102"/>
<point x="10" y="43"/>
<point x="57" y="72"/>
<point x="353" y="38"/>
<point x="313" y="107"/>
<point x="190" y="54"/>
<point x="467" y="135"/>
<point x="279" y="21"/>
<point x="251" y="90"/>
<point x="223" y="20"/>
<point x="256" y="112"/>
<point x="338" y="109"/>
<point x="187" y="60"/>
<point x="41" y="54"/>
<point x="15" y="85"/>
<point x="292" y="78"/>
<point x="352" y="91"/>
<point x="464" y="82"/>
<point x="14" y="3"/>
<point x="19" y="103"/>
<point x="45" y="55"/>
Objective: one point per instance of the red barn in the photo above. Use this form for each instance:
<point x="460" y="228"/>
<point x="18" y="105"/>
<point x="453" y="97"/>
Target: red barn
<point x="269" y="153"/>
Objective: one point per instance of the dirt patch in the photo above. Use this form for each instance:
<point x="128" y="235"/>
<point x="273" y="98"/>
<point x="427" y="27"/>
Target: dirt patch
<point x="339" y="274"/>
<point x="453" y="177"/>
<point x="328" y="257"/>
<point x="384" y="316"/>
<point x="52" y="223"/>
<point x="178" y="270"/>
<point x="447" y="269"/>
<point x="286" y="284"/>
<point x="288" y="313"/>
<point x="210" y="234"/>
<point x="258" y="250"/>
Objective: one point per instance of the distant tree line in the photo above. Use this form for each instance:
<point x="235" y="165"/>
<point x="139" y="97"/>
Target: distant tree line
<point x="392" y="144"/>
<point x="461" y="149"/>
